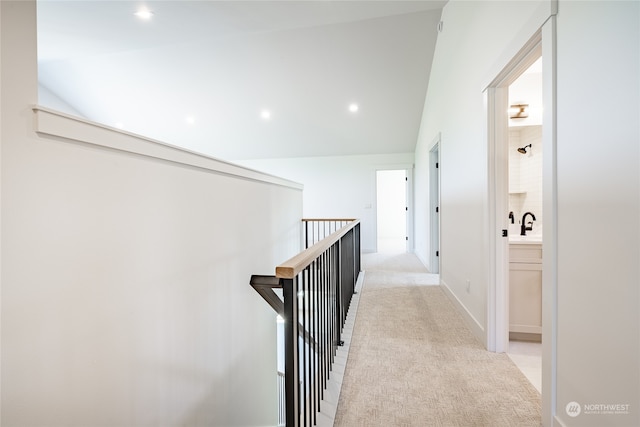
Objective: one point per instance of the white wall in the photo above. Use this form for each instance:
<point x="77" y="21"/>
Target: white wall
<point x="49" y="99"/>
<point x="598" y="209"/>
<point x="338" y="187"/>
<point x="598" y="187"/>
<point x="125" y="279"/>
<point x="474" y="36"/>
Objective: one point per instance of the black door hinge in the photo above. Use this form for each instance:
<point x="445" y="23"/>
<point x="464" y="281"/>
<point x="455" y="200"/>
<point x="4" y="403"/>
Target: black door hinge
<point x="437" y="165"/>
<point x="505" y="233"/>
<point x="437" y="209"/>
<point x="437" y="253"/>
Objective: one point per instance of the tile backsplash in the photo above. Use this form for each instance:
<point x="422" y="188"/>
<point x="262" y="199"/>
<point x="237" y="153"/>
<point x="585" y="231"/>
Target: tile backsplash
<point x="525" y="176"/>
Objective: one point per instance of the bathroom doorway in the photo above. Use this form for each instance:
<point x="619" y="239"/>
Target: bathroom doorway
<point x="541" y="44"/>
<point x="524" y="279"/>
<point x="500" y="215"/>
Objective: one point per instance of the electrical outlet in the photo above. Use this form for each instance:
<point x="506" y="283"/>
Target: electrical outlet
<point x="468" y="286"/>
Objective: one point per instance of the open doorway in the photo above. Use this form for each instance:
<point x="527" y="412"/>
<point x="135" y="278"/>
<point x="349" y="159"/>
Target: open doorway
<point x="524" y="280"/>
<point x="516" y="195"/>
<point x="541" y="44"/>
<point x="391" y="210"/>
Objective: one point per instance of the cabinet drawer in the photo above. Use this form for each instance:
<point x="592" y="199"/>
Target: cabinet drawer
<point x="525" y="253"/>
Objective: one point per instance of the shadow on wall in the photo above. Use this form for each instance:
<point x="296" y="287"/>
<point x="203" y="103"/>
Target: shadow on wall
<point x="224" y="395"/>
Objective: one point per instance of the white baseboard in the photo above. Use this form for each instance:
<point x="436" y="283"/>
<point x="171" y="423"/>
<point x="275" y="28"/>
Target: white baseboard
<point x="476" y="328"/>
<point x="423" y="261"/>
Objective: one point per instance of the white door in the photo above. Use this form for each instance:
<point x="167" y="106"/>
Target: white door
<point x="434" y="208"/>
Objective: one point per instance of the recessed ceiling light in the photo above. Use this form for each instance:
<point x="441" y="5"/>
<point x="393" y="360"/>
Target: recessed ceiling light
<point x="265" y="114"/>
<point x="144" y="14"/>
<point x="353" y="108"/>
<point x="190" y="120"/>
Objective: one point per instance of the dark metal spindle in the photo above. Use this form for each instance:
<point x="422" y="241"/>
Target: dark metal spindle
<point x="314" y="296"/>
<point x="304" y="345"/>
<point x="315" y="307"/>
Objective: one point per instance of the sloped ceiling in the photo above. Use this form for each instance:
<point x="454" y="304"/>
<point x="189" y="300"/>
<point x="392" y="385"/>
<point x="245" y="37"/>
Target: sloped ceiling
<point x="199" y="74"/>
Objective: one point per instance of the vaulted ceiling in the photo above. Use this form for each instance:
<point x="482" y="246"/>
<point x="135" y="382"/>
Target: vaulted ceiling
<point x="205" y="75"/>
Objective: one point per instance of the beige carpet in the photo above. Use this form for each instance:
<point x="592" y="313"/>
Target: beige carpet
<point x="414" y="362"/>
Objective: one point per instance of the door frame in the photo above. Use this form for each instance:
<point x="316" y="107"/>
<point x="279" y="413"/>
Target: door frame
<point x="498" y="157"/>
<point x="408" y="168"/>
<point x="496" y="100"/>
<point x="434" y="203"/>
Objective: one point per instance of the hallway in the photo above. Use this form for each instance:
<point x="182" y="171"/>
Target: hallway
<point x="413" y="361"/>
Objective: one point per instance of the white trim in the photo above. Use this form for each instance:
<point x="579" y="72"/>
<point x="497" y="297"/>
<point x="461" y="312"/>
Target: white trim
<point x="498" y="204"/>
<point x="520" y="42"/>
<point x="434" y="219"/>
<point x="550" y="231"/>
<point x="410" y="211"/>
<point x="542" y="43"/>
<point x="64" y="127"/>
<point x="409" y="226"/>
<point x="476" y="328"/>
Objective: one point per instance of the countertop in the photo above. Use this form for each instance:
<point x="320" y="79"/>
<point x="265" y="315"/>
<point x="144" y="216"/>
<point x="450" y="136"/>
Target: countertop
<point x="525" y="240"/>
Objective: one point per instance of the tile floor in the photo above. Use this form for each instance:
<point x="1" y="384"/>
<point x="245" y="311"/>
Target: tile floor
<point x="528" y="358"/>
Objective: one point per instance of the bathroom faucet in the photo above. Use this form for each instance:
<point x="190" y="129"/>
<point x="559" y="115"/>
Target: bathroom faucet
<point x="523" y="226"/>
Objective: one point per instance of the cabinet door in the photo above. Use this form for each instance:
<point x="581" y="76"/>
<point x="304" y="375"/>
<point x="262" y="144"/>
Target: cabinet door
<point x="525" y="298"/>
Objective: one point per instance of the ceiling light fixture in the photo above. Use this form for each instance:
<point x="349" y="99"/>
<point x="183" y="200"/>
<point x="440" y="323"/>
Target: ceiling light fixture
<point x="190" y="120"/>
<point x="265" y="114"/>
<point x="144" y="14"/>
<point x="353" y="108"/>
<point x="518" y="111"/>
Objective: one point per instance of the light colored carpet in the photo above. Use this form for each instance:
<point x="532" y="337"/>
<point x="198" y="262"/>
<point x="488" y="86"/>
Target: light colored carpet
<point x="414" y="362"/>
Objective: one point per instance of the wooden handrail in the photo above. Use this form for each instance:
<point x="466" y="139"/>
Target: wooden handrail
<point x="290" y="268"/>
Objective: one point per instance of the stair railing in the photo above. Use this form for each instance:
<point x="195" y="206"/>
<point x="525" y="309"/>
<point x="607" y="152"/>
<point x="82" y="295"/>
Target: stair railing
<point x="317" y="287"/>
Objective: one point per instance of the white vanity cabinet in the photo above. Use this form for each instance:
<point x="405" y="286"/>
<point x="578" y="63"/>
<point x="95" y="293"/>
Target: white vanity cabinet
<point x="525" y="289"/>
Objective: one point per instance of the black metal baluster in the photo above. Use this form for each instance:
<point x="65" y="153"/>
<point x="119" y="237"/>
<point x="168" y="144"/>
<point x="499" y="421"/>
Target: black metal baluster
<point x="314" y="327"/>
<point x="305" y="345"/>
<point x="289" y="289"/>
<point x="309" y="316"/>
<point x="327" y="308"/>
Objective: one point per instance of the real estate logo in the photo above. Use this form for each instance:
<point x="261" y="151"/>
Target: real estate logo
<point x="573" y="409"/>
